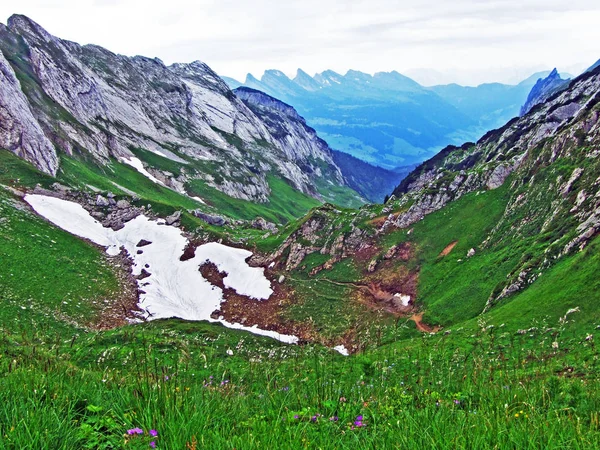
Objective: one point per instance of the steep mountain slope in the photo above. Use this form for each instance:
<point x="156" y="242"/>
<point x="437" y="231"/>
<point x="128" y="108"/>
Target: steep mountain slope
<point x="99" y="107"/>
<point x="549" y="158"/>
<point x="373" y="182"/>
<point x="287" y="127"/>
<point x="19" y="131"/>
<point x="544" y="89"/>
<point x="388" y="119"/>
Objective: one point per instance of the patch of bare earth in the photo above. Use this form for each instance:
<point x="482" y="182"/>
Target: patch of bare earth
<point x="266" y="314"/>
<point x="417" y="318"/>
<point x="119" y="311"/>
<point x="447" y="249"/>
<point x="366" y="253"/>
<point x="384" y="290"/>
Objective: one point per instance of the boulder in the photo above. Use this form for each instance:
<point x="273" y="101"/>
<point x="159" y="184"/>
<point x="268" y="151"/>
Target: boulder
<point x="215" y="220"/>
<point x="173" y="218"/>
<point x="101" y="201"/>
<point x="372" y="266"/>
<point x="261" y="224"/>
<point x="123" y="204"/>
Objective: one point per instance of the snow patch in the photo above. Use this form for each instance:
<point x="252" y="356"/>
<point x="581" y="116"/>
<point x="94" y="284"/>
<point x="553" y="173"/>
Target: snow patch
<point x="404" y="299"/>
<point x="73" y="218"/>
<point x="174" y="288"/>
<point x="198" y="199"/>
<point x="341" y="350"/>
<point x="137" y="165"/>
<point x="246" y="280"/>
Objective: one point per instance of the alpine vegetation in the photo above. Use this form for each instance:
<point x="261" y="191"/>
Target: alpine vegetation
<point x="190" y="267"/>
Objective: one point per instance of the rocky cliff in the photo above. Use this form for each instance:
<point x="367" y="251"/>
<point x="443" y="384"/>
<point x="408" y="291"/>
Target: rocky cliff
<point x="19" y="131"/>
<point x="86" y="100"/>
<point x="543" y="89"/>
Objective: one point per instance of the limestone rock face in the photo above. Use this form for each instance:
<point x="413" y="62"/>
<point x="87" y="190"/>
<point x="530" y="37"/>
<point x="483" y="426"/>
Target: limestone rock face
<point x="20" y="132"/>
<point x="298" y="141"/>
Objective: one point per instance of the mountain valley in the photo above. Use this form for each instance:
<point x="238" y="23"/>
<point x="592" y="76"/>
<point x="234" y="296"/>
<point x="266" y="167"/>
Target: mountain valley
<point x="190" y="266"/>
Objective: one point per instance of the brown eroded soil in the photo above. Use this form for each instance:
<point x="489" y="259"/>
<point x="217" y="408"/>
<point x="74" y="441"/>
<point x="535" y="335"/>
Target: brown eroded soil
<point x="447" y="249"/>
<point x="118" y="312"/>
<point x="267" y="314"/>
<point x="417" y="318"/>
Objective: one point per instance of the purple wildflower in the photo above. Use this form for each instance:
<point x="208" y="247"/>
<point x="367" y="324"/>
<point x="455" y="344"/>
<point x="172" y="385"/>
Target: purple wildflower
<point x="153" y="444"/>
<point x="135" y="431"/>
<point x="313" y="419"/>
<point x="457" y="402"/>
<point x="359" y="422"/>
<point x="334" y="419"/>
<point x="153" y="433"/>
<point x="296" y="416"/>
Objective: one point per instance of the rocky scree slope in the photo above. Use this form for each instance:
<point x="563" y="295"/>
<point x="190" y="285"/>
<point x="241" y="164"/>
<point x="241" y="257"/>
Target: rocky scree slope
<point x="58" y="96"/>
<point x="550" y="157"/>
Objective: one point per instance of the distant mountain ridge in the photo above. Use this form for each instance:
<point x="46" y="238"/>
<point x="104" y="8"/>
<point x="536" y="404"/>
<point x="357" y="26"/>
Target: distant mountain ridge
<point x="388" y="119"/>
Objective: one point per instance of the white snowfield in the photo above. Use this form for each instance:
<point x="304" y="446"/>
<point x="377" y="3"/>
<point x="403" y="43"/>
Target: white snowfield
<point x="139" y="166"/>
<point x="174" y="288"/>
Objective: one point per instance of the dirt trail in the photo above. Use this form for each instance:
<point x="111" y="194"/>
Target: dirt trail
<point x="372" y="288"/>
<point x="448" y="249"/>
<point x="418" y="320"/>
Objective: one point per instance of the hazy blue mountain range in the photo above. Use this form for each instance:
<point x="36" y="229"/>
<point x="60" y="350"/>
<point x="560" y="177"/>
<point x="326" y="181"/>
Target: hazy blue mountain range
<point x="388" y="119"/>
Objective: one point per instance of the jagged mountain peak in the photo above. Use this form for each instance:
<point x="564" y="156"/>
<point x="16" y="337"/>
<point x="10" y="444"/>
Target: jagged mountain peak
<point x="251" y="79"/>
<point x="26" y="27"/>
<point x="543" y="89"/>
<point x="274" y="73"/>
<point x="302" y="73"/>
<point x="328" y="78"/>
<point x="357" y="75"/>
<point x="305" y="81"/>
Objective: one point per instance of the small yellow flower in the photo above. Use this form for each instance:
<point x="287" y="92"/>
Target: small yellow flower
<point x="516" y="414"/>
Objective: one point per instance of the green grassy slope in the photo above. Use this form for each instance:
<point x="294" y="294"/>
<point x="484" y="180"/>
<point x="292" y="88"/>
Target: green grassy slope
<point x="49" y="279"/>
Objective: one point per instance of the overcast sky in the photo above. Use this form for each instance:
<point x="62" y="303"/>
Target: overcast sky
<point x="466" y="41"/>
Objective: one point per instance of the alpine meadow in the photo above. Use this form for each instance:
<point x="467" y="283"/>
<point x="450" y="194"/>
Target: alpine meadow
<point x="355" y="261"/>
